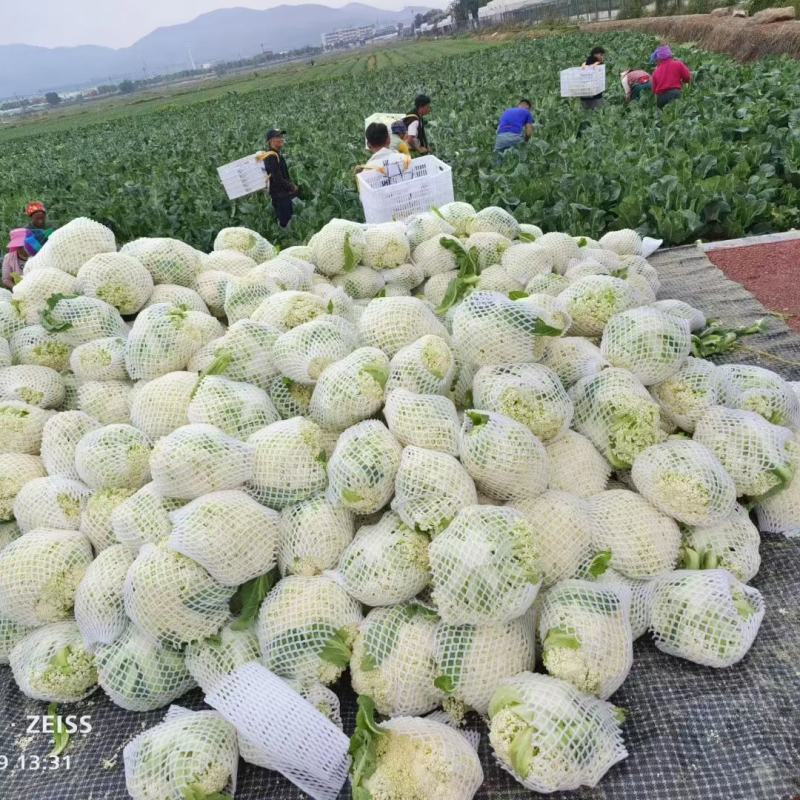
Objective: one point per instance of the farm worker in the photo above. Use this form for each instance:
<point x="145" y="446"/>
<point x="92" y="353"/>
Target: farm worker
<point x="596" y="59"/>
<point x="415" y="122"/>
<point x="37" y="214"/>
<point x="515" y="127"/>
<point x="388" y="162"/>
<point x="24" y="243"/>
<point x="281" y="189"/>
<point x="652" y="60"/>
<point x="669" y="77"/>
<point x="399" y="142"/>
<point x="634" y="82"/>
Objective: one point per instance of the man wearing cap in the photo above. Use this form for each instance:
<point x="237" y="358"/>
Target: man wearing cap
<point x="24" y="243"/>
<point x="415" y="123"/>
<point x="281" y="189"/>
<point x="394" y="166"/>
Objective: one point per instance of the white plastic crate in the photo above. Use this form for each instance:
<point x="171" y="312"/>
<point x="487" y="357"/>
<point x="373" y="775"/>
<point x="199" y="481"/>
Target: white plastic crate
<point x="428" y="183"/>
<point x="583" y="81"/>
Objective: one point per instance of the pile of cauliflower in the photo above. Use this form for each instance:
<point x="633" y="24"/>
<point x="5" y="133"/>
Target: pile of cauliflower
<point x="459" y="461"/>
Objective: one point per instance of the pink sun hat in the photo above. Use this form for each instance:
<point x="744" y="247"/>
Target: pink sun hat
<point x="16" y="238"/>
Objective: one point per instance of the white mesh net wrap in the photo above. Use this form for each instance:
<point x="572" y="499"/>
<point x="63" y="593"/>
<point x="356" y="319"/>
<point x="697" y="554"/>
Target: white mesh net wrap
<point x="426" y="366"/>
<point x="562" y="528"/>
<point x="118" y="279"/>
<point x="363" y="283"/>
<point x="174" y="295"/>
<point x="289" y="464"/>
<point x="386" y="563"/>
<point x="28" y="383"/>
<point x="641" y="592"/>
<point x="351" y="389"/>
<point x="525" y="261"/>
<point x="172" y="599"/>
<point x="575" y="465"/>
<point x="11" y="633"/>
<point x="229" y="534"/>
<point x="586" y="635"/>
<point x="99" y="606"/>
<point x="338" y="244"/>
<point x="212" y="286"/>
<point x="16" y="470"/>
<point x="244" y="295"/>
<point x="755" y="453"/>
<point x="167" y="260"/>
<point x="113" y="457"/>
<point x="393" y="660"/>
<point x="80" y="319"/>
<point x="246" y="241"/>
<point x="289" y="309"/>
<point x="198" y="459"/>
<point x="684" y="480"/>
<point x="39" y="573"/>
<point x="239" y="409"/>
<point x="572" y="358"/>
<point x="21" y="427"/>
<point x="73" y="244"/>
<point x="436" y="287"/>
<point x="424" y="226"/>
<point x="230" y="261"/>
<point x="678" y="308"/>
<point x="190" y="754"/>
<point x="143" y="517"/>
<point x="430" y="488"/>
<point x="434" y="259"/>
<point x="211" y="660"/>
<point x="35" y="289"/>
<point x="503" y="457"/>
<point x="305" y="351"/>
<point x="471" y="660"/>
<point x="705" y="616"/>
<point x="36" y="346"/>
<point x="282" y="731"/>
<point x="306" y="627"/>
<point x="96" y="517"/>
<point x="731" y="543"/>
<point x="5" y="353"/>
<point x="756" y="389"/>
<point x="100" y="360"/>
<point x="109" y="402"/>
<point x="484" y="566"/>
<point x="363" y="467"/>
<point x="423" y="420"/>
<point x="496" y="279"/>
<point x="391" y="323"/>
<point x="159" y="406"/>
<point x="312" y="536"/>
<point x="651" y="344"/>
<point x="52" y="664"/>
<point x="615" y="411"/>
<point x="529" y="716"/>
<point x="528" y="393"/>
<point x="780" y="512"/>
<point x="138" y="675"/>
<point x="685" y="396"/>
<point x="591" y="301"/>
<point x="643" y="542"/>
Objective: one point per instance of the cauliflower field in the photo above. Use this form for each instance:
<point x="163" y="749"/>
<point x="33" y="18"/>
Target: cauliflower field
<point x="423" y="457"/>
<point x="723" y="162"/>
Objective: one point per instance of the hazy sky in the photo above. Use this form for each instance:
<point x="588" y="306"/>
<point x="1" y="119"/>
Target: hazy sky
<point x="51" y="23"/>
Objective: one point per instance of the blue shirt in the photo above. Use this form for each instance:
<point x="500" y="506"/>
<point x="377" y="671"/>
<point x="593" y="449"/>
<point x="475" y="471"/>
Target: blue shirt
<point x="514" y="120"/>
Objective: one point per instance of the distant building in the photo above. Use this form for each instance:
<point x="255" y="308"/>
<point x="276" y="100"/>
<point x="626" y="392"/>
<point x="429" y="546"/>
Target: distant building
<point x="348" y="37"/>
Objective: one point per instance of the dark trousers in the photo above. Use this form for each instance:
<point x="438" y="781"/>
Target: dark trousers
<point x="667" y="97"/>
<point x="283" y="210"/>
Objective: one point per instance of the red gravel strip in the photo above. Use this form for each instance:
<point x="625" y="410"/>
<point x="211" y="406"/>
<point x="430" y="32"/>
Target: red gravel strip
<point x="769" y="271"/>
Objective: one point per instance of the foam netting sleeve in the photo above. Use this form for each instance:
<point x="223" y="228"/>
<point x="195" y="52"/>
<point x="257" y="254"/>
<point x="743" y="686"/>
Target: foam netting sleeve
<point x="780" y="512"/>
<point x="705" y="616"/>
<point x="572" y="358"/>
<point x="99" y="604"/>
<point x="113" y="457"/>
<point x="351" y="389"/>
<point x="52" y="664"/>
<point x="16" y="470"/>
<point x="39" y="573"/>
<point x="73" y="244"/>
<point x="312" y="536"/>
<point x="289" y="309"/>
<point x="284" y="732"/>
<point x="385" y="563"/>
<point x="100" y="360"/>
<point x="591" y="301"/>
<point x="83" y="319"/>
<point x="754" y="452"/>
<point x="211" y="660"/>
<point x="172" y="599"/>
<point x="484" y="566"/>
<point x="289" y="463"/>
<point x="21" y="427"/>
<point x="529" y="393"/>
<point x="246" y="241"/>
<point x="244" y="295"/>
<point x="640" y="591"/>
<point x="472" y="659"/>
<point x="36" y="288"/>
<point x="393" y="660"/>
<point x="169" y="261"/>
<point x="5" y="353"/>
<point x="753" y="388"/>
<point x="541" y="708"/>
<point x="596" y="618"/>
<point x="422" y="420"/>
<point x="35" y="346"/>
<point x="576" y="465"/>
<point x="525" y="261"/>
<point x="306" y="627"/>
<point x="426" y="366"/>
<point x="96" y="517"/>
<point x="39" y="386"/>
<point x="391" y="323"/>
<point x="118" y="279"/>
<point x="686" y="395"/>
<point x="363" y="467"/>
<point x="190" y="753"/>
<point x="430" y="488"/>
<point x="108" y="402"/>
<point x="143" y="517"/>
<point x="229" y="534"/>
<point x="302" y="353"/>
<point x="160" y="406"/>
<point x="11" y="633"/>
<point x="174" y="295"/>
<point x="684" y="480"/>
<point x="503" y="457"/>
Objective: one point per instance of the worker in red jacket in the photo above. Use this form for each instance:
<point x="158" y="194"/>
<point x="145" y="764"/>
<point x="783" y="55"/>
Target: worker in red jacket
<point x="669" y="77"/>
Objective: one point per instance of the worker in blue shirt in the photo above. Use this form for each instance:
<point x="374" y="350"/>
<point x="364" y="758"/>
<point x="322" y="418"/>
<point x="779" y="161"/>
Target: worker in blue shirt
<point x="515" y="127"/>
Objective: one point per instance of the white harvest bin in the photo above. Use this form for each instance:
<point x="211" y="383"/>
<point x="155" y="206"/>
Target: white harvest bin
<point x="583" y="81"/>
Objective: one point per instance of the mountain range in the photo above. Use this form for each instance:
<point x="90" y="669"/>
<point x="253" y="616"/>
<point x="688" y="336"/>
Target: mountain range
<point x="222" y="35"/>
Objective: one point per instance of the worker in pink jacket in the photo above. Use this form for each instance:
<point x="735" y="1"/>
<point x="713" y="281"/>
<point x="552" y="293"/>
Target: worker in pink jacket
<point x="670" y="76"/>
